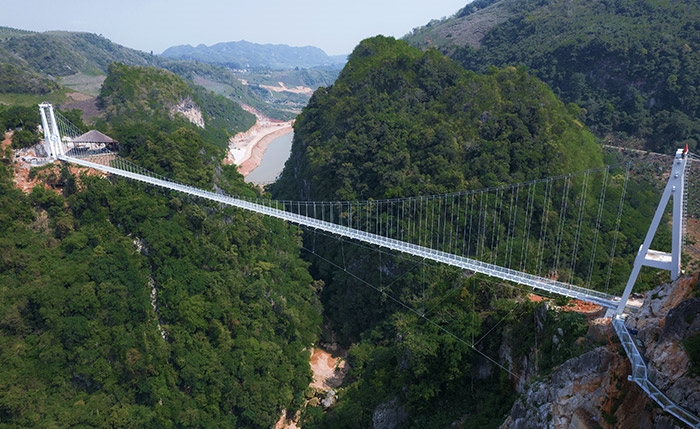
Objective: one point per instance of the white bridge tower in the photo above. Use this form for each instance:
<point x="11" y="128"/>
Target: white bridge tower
<point x="52" y="137"/>
<point x="675" y="187"/>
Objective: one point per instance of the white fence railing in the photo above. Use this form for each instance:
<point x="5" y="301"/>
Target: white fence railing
<point x="536" y="282"/>
<point x="640" y="375"/>
<point x="639" y="368"/>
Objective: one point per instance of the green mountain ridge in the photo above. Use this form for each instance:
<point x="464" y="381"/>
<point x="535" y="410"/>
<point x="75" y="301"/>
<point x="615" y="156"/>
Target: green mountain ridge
<point x="50" y="63"/>
<point x="148" y="95"/>
<point x="62" y="53"/>
<point x="122" y="305"/>
<point x="243" y="54"/>
<point x="633" y="66"/>
<point x="224" y="340"/>
<point x="424" y="125"/>
<point x="402" y="122"/>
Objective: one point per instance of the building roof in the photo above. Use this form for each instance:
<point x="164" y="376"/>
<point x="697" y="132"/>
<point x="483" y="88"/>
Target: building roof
<point x="94" y="136"/>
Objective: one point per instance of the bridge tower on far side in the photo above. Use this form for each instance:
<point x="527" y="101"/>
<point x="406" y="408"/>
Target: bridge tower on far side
<point x="675" y="188"/>
<point x="52" y="137"/>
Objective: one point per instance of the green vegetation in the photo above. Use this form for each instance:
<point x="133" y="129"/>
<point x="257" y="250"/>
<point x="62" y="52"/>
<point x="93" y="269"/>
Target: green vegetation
<point x="126" y="305"/>
<point x="23" y="121"/>
<point x="46" y="64"/>
<point x="401" y="122"/>
<point x="132" y="91"/>
<point x="80" y="338"/>
<point x="16" y="80"/>
<point x="136" y="96"/>
<point x="633" y="66"/>
<point x="227" y="82"/>
<point x="7" y="32"/>
<point x="122" y="305"/>
<point x="57" y="98"/>
<point x="247" y="55"/>
<point x="692" y="347"/>
<point x="61" y="53"/>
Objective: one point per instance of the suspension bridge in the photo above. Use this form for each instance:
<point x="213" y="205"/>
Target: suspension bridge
<point x="553" y="234"/>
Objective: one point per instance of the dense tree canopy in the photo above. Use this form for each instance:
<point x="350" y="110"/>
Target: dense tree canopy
<point x="632" y="65"/>
<point x="134" y="97"/>
<point x="401" y="122"/>
<point x="14" y="79"/>
<point x="124" y="306"/>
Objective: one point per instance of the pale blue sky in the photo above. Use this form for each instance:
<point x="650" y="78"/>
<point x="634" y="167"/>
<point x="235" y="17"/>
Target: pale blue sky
<point x="154" y="25"/>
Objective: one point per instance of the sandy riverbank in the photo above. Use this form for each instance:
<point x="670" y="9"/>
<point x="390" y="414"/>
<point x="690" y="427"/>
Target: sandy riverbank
<point x="246" y="149"/>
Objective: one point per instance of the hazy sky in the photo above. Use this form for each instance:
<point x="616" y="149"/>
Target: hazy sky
<point x="154" y="25"/>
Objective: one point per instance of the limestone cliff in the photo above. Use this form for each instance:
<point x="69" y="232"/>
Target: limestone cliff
<point x="592" y="390"/>
<point x="190" y="110"/>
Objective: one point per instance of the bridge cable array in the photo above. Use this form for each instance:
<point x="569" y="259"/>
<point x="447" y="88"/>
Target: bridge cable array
<point x="424" y="234"/>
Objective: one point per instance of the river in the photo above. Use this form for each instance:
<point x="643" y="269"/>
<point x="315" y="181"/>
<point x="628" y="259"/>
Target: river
<point x="273" y="161"/>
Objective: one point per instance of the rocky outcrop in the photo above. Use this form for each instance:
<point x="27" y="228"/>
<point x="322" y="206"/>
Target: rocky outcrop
<point x="592" y="390"/>
<point x="190" y="110"/>
<point x="665" y="320"/>
<point x="388" y="415"/>
<point x="572" y="397"/>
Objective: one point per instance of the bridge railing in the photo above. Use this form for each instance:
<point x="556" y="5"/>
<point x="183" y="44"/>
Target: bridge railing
<point x="640" y="375"/>
<point x="559" y="228"/>
<point x="131" y="171"/>
<point x="639" y="369"/>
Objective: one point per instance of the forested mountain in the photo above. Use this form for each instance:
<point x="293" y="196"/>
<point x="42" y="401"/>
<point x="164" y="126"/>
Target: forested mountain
<point x="123" y="305"/>
<point x="31" y="63"/>
<point x="633" y="66"/>
<point x="401" y="122"/>
<point x="127" y="306"/>
<point x="60" y="53"/>
<point x="49" y="64"/>
<point x="151" y="97"/>
<point x="244" y="54"/>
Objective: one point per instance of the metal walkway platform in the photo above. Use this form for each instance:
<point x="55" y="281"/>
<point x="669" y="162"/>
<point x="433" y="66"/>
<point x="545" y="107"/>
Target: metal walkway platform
<point x="536" y="282"/>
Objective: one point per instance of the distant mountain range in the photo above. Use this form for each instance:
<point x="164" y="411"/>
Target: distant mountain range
<point x="34" y="63"/>
<point x="244" y="55"/>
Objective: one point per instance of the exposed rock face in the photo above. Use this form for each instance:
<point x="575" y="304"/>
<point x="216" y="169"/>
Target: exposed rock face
<point x="662" y="335"/>
<point x="190" y="110"/>
<point x="388" y="415"/>
<point x="592" y="390"/>
<point x="572" y="397"/>
<point x="330" y="399"/>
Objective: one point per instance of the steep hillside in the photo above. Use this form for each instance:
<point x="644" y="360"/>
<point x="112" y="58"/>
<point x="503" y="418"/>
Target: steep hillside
<point x="633" y="66"/>
<point x="67" y="53"/>
<point x="18" y="79"/>
<point x="592" y="390"/>
<point x="122" y="305"/>
<point x="402" y="122"/>
<point x="50" y="64"/>
<point x="282" y="76"/>
<point x="133" y="96"/>
<point x="467" y="28"/>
